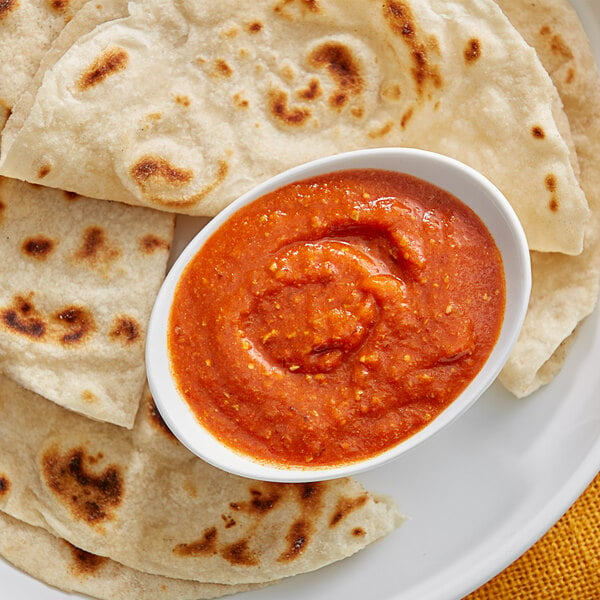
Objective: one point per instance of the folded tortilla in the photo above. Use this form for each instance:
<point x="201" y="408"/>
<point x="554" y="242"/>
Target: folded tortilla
<point x="60" y="564"/>
<point x="183" y="106"/>
<point x="140" y="498"/>
<point x="565" y="288"/>
<point x="78" y="279"/>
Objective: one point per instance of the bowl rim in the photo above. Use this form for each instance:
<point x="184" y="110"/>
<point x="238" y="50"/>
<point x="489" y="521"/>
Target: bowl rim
<point x="428" y="165"/>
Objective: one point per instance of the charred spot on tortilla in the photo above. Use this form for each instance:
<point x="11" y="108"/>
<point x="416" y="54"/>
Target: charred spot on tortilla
<point x="4" y="485"/>
<point x="95" y="248"/>
<point x="570" y="76"/>
<point x="84" y="563"/>
<point x="406" y="117"/>
<point x="550" y="182"/>
<point x="156" y="168"/>
<point x="91" y="497"/>
<point x="278" y="105"/>
<point x="297" y="538"/>
<point x="109" y="63"/>
<point x="537" y="132"/>
<point x="359" y="532"/>
<point x="229" y="521"/>
<point x="239" y="553"/>
<point x="240" y="101"/>
<point x="337" y="59"/>
<point x="38" y="247"/>
<point x="207" y="544"/>
<point x="221" y="68"/>
<point x="255" y="27"/>
<point x="402" y="22"/>
<point x="345" y="506"/>
<point x="183" y="100"/>
<point x="6" y="6"/>
<point x="312" y="91"/>
<point x="60" y="6"/>
<point x="151" y="243"/>
<point x="79" y="324"/>
<point x="22" y="318"/>
<point x="125" y="329"/>
<point x="44" y="170"/>
<point x="472" y="50"/>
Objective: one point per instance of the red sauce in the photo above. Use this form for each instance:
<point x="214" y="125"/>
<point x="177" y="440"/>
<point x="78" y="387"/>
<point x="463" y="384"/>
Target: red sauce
<point x="335" y="317"/>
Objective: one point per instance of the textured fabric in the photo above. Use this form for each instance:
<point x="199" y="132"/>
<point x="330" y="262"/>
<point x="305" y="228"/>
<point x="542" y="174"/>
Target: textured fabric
<point x="563" y="565"/>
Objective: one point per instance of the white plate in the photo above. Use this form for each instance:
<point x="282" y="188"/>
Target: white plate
<point x="477" y="495"/>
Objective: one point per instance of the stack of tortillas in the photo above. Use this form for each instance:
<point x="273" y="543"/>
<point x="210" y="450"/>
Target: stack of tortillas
<point x="129" y="112"/>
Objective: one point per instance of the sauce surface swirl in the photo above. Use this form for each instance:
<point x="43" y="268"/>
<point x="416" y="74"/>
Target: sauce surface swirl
<point x="333" y="318"/>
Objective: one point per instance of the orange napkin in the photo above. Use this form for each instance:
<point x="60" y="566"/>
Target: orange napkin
<point x="563" y="565"/>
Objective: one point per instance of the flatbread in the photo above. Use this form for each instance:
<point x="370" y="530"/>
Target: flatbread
<point x="77" y="283"/>
<point x="565" y="289"/>
<point x="27" y="29"/>
<point x="62" y="565"/>
<point x="199" y="101"/>
<point x="142" y="499"/>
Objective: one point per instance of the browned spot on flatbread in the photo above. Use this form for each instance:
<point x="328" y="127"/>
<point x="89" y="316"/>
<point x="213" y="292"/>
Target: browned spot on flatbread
<point x="382" y="131"/>
<point x="38" y="247"/>
<point x="88" y="396"/>
<point x="359" y="532"/>
<point x="125" y="329"/>
<point x="156" y="419"/>
<point x="221" y="68"/>
<point x="228" y="521"/>
<point x="44" y="170"/>
<point x="312" y="91"/>
<point x="261" y="500"/>
<point x="240" y="101"/>
<point x="406" y="117"/>
<point x="550" y="182"/>
<point x="472" y="51"/>
<point x="60" y="6"/>
<point x="84" y="563"/>
<point x="4" y="485"/>
<point x="402" y="22"/>
<point x="157" y="169"/>
<point x="345" y="506"/>
<point x="90" y="497"/>
<point x="239" y="553"/>
<point x="95" y="248"/>
<point x="207" y="544"/>
<point x="22" y="317"/>
<point x="310" y="496"/>
<point x="337" y="59"/>
<point x="560" y="47"/>
<point x="151" y="243"/>
<point x="183" y="100"/>
<point x="297" y="539"/>
<point x="570" y="76"/>
<point x="78" y="323"/>
<point x="6" y="7"/>
<point x="551" y="185"/>
<point x="221" y="174"/>
<point x="279" y="108"/>
<point x="255" y="27"/>
<point x="112" y="61"/>
<point x="538" y="132"/>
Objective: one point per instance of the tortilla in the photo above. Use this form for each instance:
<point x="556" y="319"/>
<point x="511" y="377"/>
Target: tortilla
<point x="565" y="288"/>
<point x="77" y="283"/>
<point x="199" y="101"/>
<point x="27" y="29"/>
<point x="142" y="499"/>
<point x="62" y="565"/>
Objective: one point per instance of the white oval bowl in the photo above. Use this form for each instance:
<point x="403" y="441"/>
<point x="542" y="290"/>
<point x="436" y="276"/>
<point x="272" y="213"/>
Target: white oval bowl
<point x="469" y="186"/>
